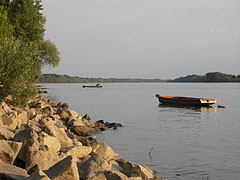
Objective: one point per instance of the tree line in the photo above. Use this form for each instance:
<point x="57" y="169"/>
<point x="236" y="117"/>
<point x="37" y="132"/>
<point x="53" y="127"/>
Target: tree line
<point x="23" y="49"/>
<point x="56" y="78"/>
<point x="208" y="77"/>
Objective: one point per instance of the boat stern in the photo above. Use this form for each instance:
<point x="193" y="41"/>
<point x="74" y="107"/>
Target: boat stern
<point x="208" y="101"/>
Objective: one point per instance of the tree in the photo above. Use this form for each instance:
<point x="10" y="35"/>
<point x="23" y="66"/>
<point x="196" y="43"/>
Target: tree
<point x="15" y="64"/>
<point x="23" y="50"/>
<point x="28" y="23"/>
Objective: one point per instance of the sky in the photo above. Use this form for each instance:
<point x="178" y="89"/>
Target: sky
<point x="162" y="39"/>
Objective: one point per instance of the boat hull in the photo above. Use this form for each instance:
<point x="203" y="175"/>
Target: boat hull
<point x="92" y="86"/>
<point x="186" y="101"/>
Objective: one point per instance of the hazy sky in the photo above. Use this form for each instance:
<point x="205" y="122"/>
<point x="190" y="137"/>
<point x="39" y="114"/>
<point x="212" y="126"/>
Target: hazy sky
<point x="144" y="38"/>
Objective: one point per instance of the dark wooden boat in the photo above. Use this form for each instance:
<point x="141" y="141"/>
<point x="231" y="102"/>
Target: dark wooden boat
<point x="186" y="101"/>
<point x="96" y="86"/>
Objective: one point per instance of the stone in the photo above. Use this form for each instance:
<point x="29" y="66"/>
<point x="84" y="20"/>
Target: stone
<point x="11" y="172"/>
<point x="74" y="114"/>
<point x="23" y="116"/>
<point x="36" y="104"/>
<point x="158" y="178"/>
<point x="92" y="166"/>
<point x="9" y="150"/>
<point x="38" y="174"/>
<point x="131" y="169"/>
<point x="5" y="107"/>
<point x="115" y="166"/>
<point x="87" y="117"/>
<point x="78" y="152"/>
<point x="5" y="133"/>
<point x="65" y="106"/>
<point x="43" y="157"/>
<point x="63" y="114"/>
<point x="10" y="122"/>
<point x="50" y="141"/>
<point x="82" y="130"/>
<point x="59" y="104"/>
<point x="29" y="138"/>
<point x="104" y="151"/>
<point x="115" y="175"/>
<point x="75" y="122"/>
<point x="64" y="169"/>
<point x="48" y="110"/>
<point x="100" y="176"/>
<point x="59" y="133"/>
<point x="30" y="112"/>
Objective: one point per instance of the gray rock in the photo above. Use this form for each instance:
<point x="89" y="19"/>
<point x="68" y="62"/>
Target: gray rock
<point x="38" y="174"/>
<point x="9" y="150"/>
<point x="11" y="172"/>
<point x="5" y="133"/>
<point x="64" y="169"/>
<point x="131" y="169"/>
<point x="92" y="166"/>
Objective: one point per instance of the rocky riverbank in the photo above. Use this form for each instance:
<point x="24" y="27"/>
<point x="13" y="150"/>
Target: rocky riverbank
<point x="45" y="140"/>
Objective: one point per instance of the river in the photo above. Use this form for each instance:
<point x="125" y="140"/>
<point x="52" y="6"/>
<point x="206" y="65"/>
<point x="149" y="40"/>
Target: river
<point x="184" y="143"/>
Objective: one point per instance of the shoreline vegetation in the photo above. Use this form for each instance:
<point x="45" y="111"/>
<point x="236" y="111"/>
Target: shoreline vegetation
<point x="210" y="77"/>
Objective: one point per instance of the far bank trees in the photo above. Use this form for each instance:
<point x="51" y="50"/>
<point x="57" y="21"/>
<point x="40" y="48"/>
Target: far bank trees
<point x="23" y="49"/>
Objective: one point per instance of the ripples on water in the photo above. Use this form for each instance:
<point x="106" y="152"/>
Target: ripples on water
<point x="187" y="143"/>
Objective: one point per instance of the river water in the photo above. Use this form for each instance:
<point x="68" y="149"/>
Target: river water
<point x="185" y="143"/>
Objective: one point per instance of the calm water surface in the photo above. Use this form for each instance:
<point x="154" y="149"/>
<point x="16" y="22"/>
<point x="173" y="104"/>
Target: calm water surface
<point x="188" y="144"/>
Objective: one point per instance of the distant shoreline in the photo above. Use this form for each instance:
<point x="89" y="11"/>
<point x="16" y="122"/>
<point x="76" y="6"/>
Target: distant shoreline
<point x="211" y="77"/>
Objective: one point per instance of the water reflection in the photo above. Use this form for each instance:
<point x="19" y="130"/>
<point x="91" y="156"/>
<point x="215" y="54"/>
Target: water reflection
<point x="204" y="112"/>
<point x="208" y="113"/>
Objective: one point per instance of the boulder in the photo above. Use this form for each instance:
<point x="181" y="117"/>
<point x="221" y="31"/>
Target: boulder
<point x="158" y="178"/>
<point x="48" y="110"/>
<point x="100" y="176"/>
<point x="38" y="174"/>
<point x="65" y="106"/>
<point x="11" y="172"/>
<point x="115" y="175"/>
<point x="9" y="121"/>
<point x="22" y="116"/>
<point x="43" y="157"/>
<point x="64" y="169"/>
<point x="74" y="114"/>
<point x="59" y="104"/>
<point x="50" y="141"/>
<point x="82" y="130"/>
<point x="29" y="138"/>
<point x="59" y="133"/>
<point x="9" y="150"/>
<point x="131" y="169"/>
<point x="30" y="112"/>
<point x="5" y="133"/>
<point x="78" y="152"/>
<point x="104" y="151"/>
<point x="64" y="115"/>
<point x="92" y="166"/>
<point x="87" y="141"/>
<point x="75" y="122"/>
<point x="87" y="117"/>
<point x="4" y="107"/>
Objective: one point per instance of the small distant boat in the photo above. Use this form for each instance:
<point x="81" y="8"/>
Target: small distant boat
<point x="186" y="101"/>
<point x="98" y="85"/>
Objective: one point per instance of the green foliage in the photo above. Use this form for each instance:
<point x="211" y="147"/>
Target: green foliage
<point x="209" y="77"/>
<point x="48" y="53"/>
<point x="55" y="78"/>
<point x="27" y="20"/>
<point x="23" y="50"/>
<point x="15" y="64"/>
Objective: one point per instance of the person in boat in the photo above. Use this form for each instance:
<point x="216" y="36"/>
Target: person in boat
<point x="98" y="84"/>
